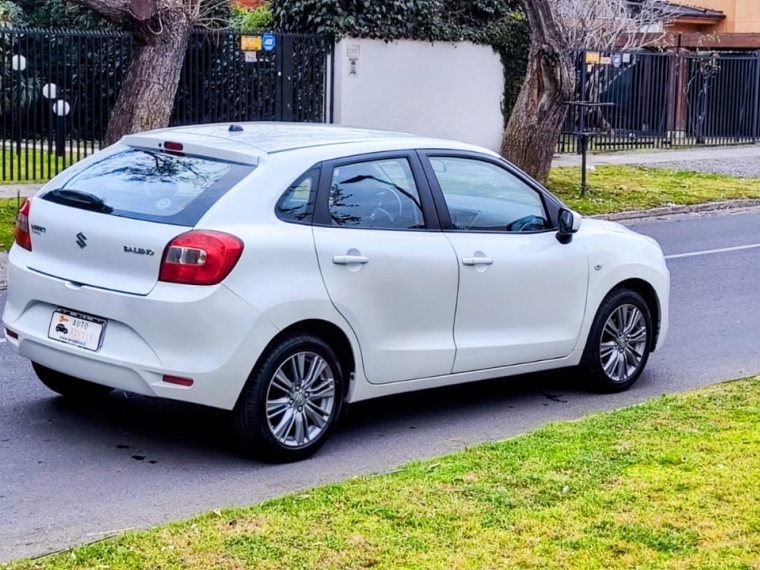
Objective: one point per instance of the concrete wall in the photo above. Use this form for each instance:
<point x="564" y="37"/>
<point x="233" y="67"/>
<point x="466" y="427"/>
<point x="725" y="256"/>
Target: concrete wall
<point x="444" y="90"/>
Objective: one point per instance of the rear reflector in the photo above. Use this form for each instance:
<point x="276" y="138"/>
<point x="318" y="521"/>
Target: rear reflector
<point x="177" y="380"/>
<point x="173" y="146"/>
<point x="11" y="334"/>
<point x="200" y="258"/>
<point x="23" y="237"/>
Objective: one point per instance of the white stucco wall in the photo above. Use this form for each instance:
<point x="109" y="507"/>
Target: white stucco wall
<point x="443" y="90"/>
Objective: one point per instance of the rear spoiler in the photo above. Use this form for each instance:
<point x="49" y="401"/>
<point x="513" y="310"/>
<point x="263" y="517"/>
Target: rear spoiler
<point x="222" y="152"/>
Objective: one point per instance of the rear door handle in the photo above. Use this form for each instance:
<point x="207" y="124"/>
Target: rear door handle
<point x="350" y="259"/>
<point x="473" y="261"/>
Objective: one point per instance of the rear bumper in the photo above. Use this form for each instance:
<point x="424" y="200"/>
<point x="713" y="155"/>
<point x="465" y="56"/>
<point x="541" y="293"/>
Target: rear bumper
<point x="207" y="334"/>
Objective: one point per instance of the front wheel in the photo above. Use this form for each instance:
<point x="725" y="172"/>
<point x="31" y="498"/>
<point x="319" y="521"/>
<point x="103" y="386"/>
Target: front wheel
<point x="619" y="343"/>
<point x="68" y="386"/>
<point x="291" y="400"/>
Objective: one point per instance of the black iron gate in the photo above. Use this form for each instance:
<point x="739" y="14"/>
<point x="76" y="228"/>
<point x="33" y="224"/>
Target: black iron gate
<point x="57" y="90"/>
<point x="665" y="100"/>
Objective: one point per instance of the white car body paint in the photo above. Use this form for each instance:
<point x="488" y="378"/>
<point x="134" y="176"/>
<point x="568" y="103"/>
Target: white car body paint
<point x="411" y="314"/>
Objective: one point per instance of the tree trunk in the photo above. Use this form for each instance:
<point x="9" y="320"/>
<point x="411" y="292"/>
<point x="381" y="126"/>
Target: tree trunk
<point x="147" y="93"/>
<point x="536" y="121"/>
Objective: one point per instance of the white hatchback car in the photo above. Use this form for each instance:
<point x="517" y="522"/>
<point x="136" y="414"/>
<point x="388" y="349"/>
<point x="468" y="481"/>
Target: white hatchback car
<point x="281" y="271"/>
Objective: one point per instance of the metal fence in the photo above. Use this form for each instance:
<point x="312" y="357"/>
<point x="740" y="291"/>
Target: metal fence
<point x="57" y="90"/>
<point x="665" y="100"/>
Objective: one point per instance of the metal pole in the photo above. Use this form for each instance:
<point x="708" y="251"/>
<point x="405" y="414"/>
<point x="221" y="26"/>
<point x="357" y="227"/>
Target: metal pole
<point x="60" y="138"/>
<point x="757" y="97"/>
<point x="584" y="147"/>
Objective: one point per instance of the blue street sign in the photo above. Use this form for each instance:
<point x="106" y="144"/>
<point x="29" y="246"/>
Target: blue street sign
<point x="617" y="59"/>
<point x="268" y="41"/>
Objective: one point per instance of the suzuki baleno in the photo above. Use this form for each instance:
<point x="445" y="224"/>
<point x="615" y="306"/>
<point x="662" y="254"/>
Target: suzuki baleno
<point x="282" y="271"/>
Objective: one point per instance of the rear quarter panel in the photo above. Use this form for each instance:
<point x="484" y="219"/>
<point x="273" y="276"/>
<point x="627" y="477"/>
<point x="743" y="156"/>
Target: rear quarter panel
<point x="278" y="273"/>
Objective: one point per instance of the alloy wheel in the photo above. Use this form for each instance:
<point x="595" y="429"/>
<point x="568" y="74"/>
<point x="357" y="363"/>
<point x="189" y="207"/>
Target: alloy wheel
<point x="624" y="342"/>
<point x="300" y="399"/>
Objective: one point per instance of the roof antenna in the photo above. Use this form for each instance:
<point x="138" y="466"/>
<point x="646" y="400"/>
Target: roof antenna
<point x="236" y="129"/>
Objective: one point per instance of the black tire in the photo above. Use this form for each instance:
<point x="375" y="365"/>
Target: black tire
<point x="592" y="368"/>
<point x="255" y="431"/>
<point x="68" y="386"/>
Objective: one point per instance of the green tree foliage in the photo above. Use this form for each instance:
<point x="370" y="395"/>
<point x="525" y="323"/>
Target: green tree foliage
<point x="11" y="14"/>
<point x="61" y="15"/>
<point x="252" y="20"/>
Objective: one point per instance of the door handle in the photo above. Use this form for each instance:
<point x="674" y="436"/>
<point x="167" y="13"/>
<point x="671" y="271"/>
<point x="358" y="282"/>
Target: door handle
<point x="350" y="259"/>
<point x="473" y="261"/>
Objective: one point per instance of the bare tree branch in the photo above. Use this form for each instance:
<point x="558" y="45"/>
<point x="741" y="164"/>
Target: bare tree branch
<point x="604" y="25"/>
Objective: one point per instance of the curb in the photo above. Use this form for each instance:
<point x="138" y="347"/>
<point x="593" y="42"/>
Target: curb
<point x="677" y="210"/>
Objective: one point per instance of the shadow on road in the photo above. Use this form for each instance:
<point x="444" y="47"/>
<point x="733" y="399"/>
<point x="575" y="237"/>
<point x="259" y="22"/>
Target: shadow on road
<point x="134" y="423"/>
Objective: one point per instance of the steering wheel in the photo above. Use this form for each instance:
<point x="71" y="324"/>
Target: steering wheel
<point x="399" y="204"/>
<point x="381" y="217"/>
<point x="527" y="224"/>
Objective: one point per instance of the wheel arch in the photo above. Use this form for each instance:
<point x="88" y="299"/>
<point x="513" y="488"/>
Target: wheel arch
<point x="647" y="291"/>
<point x="333" y="335"/>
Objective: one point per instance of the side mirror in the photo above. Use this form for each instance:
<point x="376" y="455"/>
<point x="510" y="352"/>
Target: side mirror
<point x="569" y="223"/>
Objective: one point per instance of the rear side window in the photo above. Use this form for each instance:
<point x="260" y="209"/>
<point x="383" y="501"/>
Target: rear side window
<point x="297" y="203"/>
<point x="155" y="186"/>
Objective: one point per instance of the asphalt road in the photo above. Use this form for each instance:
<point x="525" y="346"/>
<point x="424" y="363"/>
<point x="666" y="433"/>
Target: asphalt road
<point x="71" y="474"/>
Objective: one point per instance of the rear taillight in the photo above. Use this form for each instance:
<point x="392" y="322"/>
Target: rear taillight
<point x="200" y="258"/>
<point x="23" y="237"/>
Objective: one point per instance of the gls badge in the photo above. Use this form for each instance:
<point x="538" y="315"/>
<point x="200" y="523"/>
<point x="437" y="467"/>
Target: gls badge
<point x="139" y="251"/>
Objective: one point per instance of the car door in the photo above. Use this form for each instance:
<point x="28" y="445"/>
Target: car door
<point x="387" y="267"/>
<point x="522" y="294"/>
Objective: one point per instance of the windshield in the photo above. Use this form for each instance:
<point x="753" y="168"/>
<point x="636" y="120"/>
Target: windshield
<point x="150" y="185"/>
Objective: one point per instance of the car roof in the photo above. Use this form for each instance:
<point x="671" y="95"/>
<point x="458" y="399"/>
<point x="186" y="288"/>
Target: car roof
<point x="255" y="139"/>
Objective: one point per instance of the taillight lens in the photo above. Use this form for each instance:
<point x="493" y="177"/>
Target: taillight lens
<point x="23" y="237"/>
<point x="200" y="258"/>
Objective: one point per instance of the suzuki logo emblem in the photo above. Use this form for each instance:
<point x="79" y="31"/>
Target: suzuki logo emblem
<point x="81" y="240"/>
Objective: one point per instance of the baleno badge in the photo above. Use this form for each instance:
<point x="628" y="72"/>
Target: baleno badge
<point x="139" y="250"/>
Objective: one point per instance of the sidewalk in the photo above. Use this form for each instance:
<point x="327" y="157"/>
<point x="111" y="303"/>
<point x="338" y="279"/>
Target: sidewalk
<point x="661" y="156"/>
<point x="13" y="190"/>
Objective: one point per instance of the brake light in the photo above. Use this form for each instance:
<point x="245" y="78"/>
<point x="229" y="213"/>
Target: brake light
<point x="174" y="148"/>
<point x="23" y="237"/>
<point x="200" y="258"/>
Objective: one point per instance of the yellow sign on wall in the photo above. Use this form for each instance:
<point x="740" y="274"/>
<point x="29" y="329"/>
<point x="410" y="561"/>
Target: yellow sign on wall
<point x="593" y="57"/>
<point x="250" y="43"/>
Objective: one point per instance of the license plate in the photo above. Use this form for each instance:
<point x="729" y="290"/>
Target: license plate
<point x="76" y="329"/>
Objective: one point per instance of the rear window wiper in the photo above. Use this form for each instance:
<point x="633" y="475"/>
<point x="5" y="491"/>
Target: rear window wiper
<point x="78" y="199"/>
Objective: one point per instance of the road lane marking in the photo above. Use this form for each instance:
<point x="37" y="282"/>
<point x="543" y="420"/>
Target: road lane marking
<point x="711" y="251"/>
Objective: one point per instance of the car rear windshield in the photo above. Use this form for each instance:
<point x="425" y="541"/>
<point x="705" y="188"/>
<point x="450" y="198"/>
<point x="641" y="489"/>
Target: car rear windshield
<point x="152" y="186"/>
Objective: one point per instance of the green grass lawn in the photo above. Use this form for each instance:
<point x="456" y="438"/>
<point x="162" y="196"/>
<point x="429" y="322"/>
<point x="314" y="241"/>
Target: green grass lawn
<point x="622" y="188"/>
<point x="673" y="483"/>
<point x="31" y="166"/>
<point x="7" y="221"/>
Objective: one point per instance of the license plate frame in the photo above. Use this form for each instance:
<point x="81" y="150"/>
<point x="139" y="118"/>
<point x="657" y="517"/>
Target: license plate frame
<point x="90" y="330"/>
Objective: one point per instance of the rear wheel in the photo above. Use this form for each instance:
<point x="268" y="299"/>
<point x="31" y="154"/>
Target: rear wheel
<point x="291" y="400"/>
<point x="68" y="386"/>
<point x="619" y="343"/>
